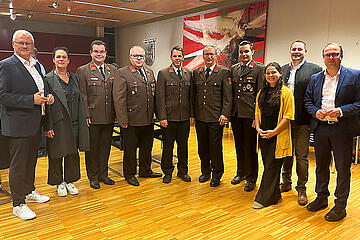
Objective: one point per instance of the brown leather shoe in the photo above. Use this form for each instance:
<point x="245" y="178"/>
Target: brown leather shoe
<point x="285" y="187"/>
<point x="302" y="198"/>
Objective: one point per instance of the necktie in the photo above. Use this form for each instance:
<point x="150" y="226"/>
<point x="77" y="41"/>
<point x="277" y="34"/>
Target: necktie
<point x="142" y="74"/>
<point x="207" y="73"/>
<point x="242" y="67"/>
<point x="101" y="71"/>
<point x="179" y="73"/>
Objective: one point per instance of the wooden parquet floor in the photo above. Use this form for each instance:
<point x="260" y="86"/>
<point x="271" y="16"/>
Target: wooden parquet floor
<point x="177" y="210"/>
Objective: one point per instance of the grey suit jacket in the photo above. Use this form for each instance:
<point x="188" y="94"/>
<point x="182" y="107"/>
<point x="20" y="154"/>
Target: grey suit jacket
<point x="19" y="116"/>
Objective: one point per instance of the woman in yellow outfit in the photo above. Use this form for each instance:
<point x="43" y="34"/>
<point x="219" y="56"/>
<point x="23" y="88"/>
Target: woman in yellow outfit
<point x="274" y="110"/>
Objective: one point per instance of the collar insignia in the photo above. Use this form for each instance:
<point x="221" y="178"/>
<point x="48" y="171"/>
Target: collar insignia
<point x="216" y="68"/>
<point x="92" y="67"/>
<point x="171" y="69"/>
<point x="132" y="69"/>
<point x="107" y="67"/>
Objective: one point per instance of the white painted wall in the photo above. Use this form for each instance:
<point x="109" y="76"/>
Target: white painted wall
<point x="315" y="21"/>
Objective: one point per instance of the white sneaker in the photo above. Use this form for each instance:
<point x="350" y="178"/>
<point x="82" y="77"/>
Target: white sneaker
<point x="23" y="212"/>
<point x="35" y="197"/>
<point x="61" y="190"/>
<point x="257" y="205"/>
<point x="71" y="188"/>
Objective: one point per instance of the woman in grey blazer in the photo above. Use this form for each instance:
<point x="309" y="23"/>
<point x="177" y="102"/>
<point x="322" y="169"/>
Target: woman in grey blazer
<point x="65" y="125"/>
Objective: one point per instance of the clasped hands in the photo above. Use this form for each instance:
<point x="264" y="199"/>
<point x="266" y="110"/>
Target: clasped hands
<point x="38" y="99"/>
<point x="332" y="113"/>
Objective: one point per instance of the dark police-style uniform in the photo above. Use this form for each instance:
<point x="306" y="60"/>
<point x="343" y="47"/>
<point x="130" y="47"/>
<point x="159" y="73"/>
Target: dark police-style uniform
<point x="96" y="92"/>
<point x="212" y="98"/>
<point x="173" y="103"/>
<point x="134" y="106"/>
<point x="246" y="84"/>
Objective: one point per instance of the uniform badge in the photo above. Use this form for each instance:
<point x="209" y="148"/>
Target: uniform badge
<point x="216" y="68"/>
<point x="92" y="67"/>
<point x="248" y="86"/>
<point x="132" y="69"/>
<point x="250" y="78"/>
<point x="107" y="67"/>
<point x="171" y="69"/>
<point x="202" y="69"/>
<point x="251" y="64"/>
<point x="133" y="92"/>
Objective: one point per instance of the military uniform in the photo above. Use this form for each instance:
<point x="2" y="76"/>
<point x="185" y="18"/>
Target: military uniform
<point x="173" y="103"/>
<point x="212" y="98"/>
<point x="96" y="92"/>
<point x="134" y="105"/>
<point x="245" y="85"/>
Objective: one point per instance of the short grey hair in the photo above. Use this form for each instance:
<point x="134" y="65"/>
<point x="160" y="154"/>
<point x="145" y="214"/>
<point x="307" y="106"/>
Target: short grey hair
<point x="211" y="46"/>
<point x="132" y="49"/>
<point x="22" y="32"/>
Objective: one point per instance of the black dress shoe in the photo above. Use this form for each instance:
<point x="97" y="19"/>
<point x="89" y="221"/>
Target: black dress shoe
<point x="167" y="178"/>
<point x="335" y="214"/>
<point x="132" y="181"/>
<point x="150" y="175"/>
<point x="107" y="181"/>
<point x="249" y="186"/>
<point x="237" y="179"/>
<point x="185" y="177"/>
<point x="214" y="182"/>
<point x="94" y="184"/>
<point x="317" y="204"/>
<point x="204" y="178"/>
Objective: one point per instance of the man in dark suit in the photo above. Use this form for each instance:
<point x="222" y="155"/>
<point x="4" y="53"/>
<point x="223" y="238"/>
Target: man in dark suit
<point x="333" y="99"/>
<point x="212" y="106"/>
<point x="134" y="106"/>
<point x="296" y="76"/>
<point x="23" y="102"/>
<point x="96" y="80"/>
<point x="247" y="79"/>
<point x="173" y="110"/>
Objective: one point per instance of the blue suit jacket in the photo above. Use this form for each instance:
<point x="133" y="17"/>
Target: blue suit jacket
<point x="19" y="116"/>
<point x="347" y="98"/>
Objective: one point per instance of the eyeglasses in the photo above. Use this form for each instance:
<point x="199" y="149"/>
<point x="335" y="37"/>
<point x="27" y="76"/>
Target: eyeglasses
<point x="332" y="55"/>
<point x="101" y="52"/>
<point x="26" y="44"/>
<point x="209" y="54"/>
<point x="139" y="57"/>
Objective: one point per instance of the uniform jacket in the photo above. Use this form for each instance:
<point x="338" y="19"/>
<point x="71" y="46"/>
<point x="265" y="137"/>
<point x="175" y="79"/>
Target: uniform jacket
<point x="347" y="98"/>
<point x="212" y="96"/>
<point x="173" y="95"/>
<point x="134" y="98"/>
<point x="245" y="86"/>
<point x="96" y="92"/>
<point x="58" y="119"/>
<point x="302" y="78"/>
<point x="287" y="110"/>
<point x="19" y="116"/>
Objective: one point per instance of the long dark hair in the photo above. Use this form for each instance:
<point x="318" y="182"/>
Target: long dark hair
<point x="275" y="91"/>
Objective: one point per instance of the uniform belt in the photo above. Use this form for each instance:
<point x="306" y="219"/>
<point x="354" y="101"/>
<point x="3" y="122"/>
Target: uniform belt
<point x="328" y="123"/>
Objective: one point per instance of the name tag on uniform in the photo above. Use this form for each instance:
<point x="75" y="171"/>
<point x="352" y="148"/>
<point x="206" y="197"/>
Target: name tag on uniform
<point x="94" y="78"/>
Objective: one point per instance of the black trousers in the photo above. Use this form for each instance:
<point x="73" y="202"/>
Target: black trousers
<point x="97" y="158"/>
<point x="23" y="158"/>
<point x="269" y="190"/>
<point x="142" y="137"/>
<point x="209" y="136"/>
<point x="4" y="152"/>
<point x="245" y="146"/>
<point x="69" y="173"/>
<point x="179" y="132"/>
<point x="333" y="138"/>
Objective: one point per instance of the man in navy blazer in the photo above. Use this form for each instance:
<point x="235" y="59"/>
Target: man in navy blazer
<point x="22" y="98"/>
<point x="333" y="99"/>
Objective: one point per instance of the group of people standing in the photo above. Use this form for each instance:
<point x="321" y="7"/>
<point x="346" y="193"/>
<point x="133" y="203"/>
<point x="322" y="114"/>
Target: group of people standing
<point x="269" y="107"/>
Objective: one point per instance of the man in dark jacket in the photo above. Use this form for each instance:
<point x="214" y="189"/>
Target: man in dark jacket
<point x="173" y="110"/>
<point x="296" y="76"/>
<point x="212" y="106"/>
